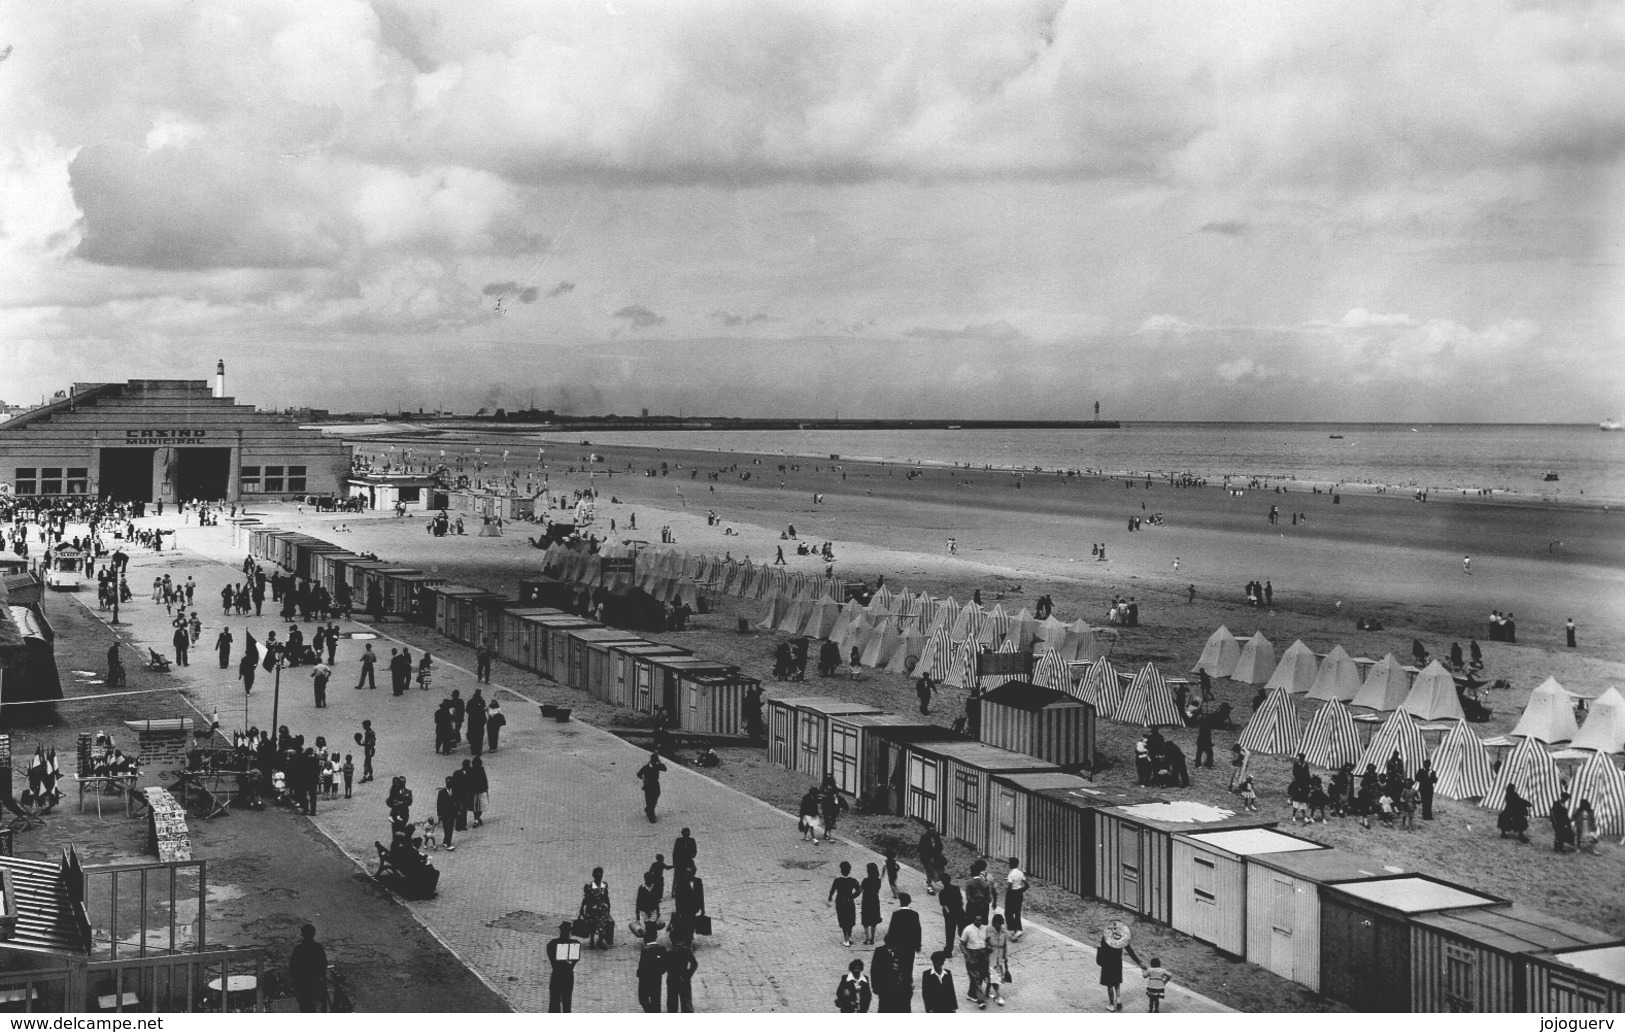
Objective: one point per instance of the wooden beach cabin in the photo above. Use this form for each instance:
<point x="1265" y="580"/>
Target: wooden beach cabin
<point x="1477" y="961"/>
<point x="476" y="616"/>
<point x="511" y="643"/>
<point x="530" y="624"/>
<point x="883" y="778"/>
<point x="589" y="657"/>
<point x="1026" y="718"/>
<point x="856" y="756"/>
<point x="1134" y="850"/>
<point x="950" y="785"/>
<point x="659" y="682"/>
<point x="620" y="687"/>
<point x="1010" y="811"/>
<point x="1587" y="980"/>
<point x="354" y="572"/>
<point x="1060" y="843"/>
<point x="403" y="592"/>
<point x="809" y="719"/>
<point x="711" y="702"/>
<point x="1210" y="881"/>
<point x="559" y="632"/>
<point x="324" y="569"/>
<point x="1284" y="903"/>
<point x="378" y="577"/>
<point x="1365" y="936"/>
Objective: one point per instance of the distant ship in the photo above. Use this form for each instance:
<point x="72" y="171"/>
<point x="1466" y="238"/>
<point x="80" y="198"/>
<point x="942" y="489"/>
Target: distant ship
<point x="1611" y="424"/>
<point x="1549" y="477"/>
<point x="1335" y="437"/>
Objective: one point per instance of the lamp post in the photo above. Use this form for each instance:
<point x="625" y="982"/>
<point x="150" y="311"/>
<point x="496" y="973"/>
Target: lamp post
<point x="276" y="688"/>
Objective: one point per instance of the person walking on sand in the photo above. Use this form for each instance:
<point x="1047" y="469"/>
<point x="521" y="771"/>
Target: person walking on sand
<point x="924" y="689"/>
<point x="1467" y="565"/>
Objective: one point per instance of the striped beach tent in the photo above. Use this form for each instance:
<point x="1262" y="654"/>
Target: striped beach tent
<point x="1603" y="783"/>
<point x="1295" y="671"/>
<point x="935" y="656"/>
<point x="822" y="617"/>
<point x="1274" y="726"/>
<point x="1257" y="661"/>
<point x="1462" y="763"/>
<point x="1052" y="671"/>
<point x="968" y="622"/>
<point x="1332" y="738"/>
<point x="1081" y="644"/>
<point x="1108" y="686"/>
<point x="882" y="600"/>
<point x="1386" y="685"/>
<point x="1338" y="677"/>
<point x="1052" y="632"/>
<point x="1023" y="629"/>
<point x="961" y="665"/>
<point x="1400" y="732"/>
<point x="772" y="613"/>
<point x="1098" y="673"/>
<point x="1532" y="771"/>
<point x="1220" y="654"/>
<point x="1149" y="702"/>
<point x="795" y="615"/>
<point x="996" y="628"/>
<point x="943" y="619"/>
<point x="910" y="644"/>
<point x="730" y="578"/>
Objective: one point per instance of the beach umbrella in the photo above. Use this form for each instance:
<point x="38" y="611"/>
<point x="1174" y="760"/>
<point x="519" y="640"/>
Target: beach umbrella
<point x="1433" y="696"/>
<point x="1257" y="661"/>
<point x="1386" y="685"/>
<point x="1149" y="702"/>
<point x="1548" y="716"/>
<point x="1273" y="728"/>
<point x="1220" y="654"/>
<point x="1604" y="729"/>
<point x="1601" y="782"/>
<point x="1338" y="678"/>
<point x="1532" y="771"/>
<point x="1331" y="739"/>
<point x="1462" y="763"/>
<point x="1296" y="670"/>
<point x="1399" y="732"/>
<point x="910" y="645"/>
<point x="1052" y="671"/>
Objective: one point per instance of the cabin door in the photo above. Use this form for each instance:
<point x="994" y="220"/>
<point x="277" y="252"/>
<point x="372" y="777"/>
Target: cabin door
<point x="1128" y="867"/>
<point x="1283" y="914"/>
<point x="1004" y="833"/>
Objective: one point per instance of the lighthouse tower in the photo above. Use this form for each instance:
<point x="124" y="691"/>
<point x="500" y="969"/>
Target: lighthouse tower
<point x="220" y="379"/>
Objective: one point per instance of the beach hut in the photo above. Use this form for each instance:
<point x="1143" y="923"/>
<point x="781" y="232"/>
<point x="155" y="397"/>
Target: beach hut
<point x="1365" y="936"/>
<point x="1220" y="654"/>
<point x="709" y="701"/>
<point x="555" y="631"/>
<point x="1599" y="781"/>
<point x="599" y="667"/>
<point x="1210" y="881"/>
<point x="1295" y="671"/>
<point x="1338" y="678"/>
<point x="906" y="657"/>
<point x="1530" y="769"/>
<point x="404" y="592"/>
<point x="1399" y="732"/>
<point x="1042" y="722"/>
<point x="1010" y="814"/>
<point x="1433" y="696"/>
<point x="1331" y="739"/>
<point x="324" y="568"/>
<point x="1476" y="961"/>
<point x="589" y="654"/>
<point x="949" y="784"/>
<point x="620" y="683"/>
<point x="1604" y="729"/>
<point x="657" y="681"/>
<point x="1585" y="980"/>
<point x="1061" y="831"/>
<point x="1386" y="685"/>
<point x="1548" y="716"/>
<point x="447" y="618"/>
<point x="884" y="772"/>
<point x="853" y="752"/>
<point x="1284" y="906"/>
<point x="1257" y="661"/>
<point x="512" y="643"/>
<point x="1462" y="763"/>
<point x="811" y="721"/>
<point x="1134" y="850"/>
<point x="1149" y="702"/>
<point x="1273" y="728"/>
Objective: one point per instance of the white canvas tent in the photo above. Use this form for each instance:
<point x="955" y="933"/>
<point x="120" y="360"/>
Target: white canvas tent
<point x="1296" y="670"/>
<point x="1549" y="715"/>
<point x="1386" y="685"/>
<point x="1604" y="729"/>
<point x="1257" y="661"/>
<point x="909" y="646"/>
<point x="1220" y="654"/>
<point x="1338" y="677"/>
<point x="1433" y="696"/>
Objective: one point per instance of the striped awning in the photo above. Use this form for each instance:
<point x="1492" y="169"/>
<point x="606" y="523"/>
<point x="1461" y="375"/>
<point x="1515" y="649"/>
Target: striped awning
<point x="1273" y="728"/>
<point x="1532" y="771"/>
<point x="1332" y="738"/>
<point x="1604" y="784"/>
<point x="1462" y="763"/>
<point x="1398" y="732"/>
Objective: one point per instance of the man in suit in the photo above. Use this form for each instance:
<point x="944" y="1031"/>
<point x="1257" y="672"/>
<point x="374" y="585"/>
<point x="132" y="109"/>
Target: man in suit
<point x="680" y="968"/>
<point x="1426" y="779"/>
<point x="561" y="987"/>
<point x="903" y="935"/>
<point x="937" y="987"/>
<point x="893" y="984"/>
<point x="651" y="968"/>
<point x="684" y="850"/>
<point x="953" y="912"/>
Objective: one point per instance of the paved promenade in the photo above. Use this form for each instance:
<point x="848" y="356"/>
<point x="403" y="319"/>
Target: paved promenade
<point x="565" y="799"/>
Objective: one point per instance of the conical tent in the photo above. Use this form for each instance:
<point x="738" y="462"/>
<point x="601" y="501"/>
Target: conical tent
<point x="907" y="654"/>
<point x="1604" y="785"/>
<point x="1099" y="673"/>
<point x="1274" y="726"/>
<point x="947" y="611"/>
<point x="1399" y="732"/>
<point x="937" y="655"/>
<point x="1052" y="632"/>
<point x="968" y="622"/>
<point x="1108" y="686"/>
<point x="1257" y="661"/>
<point x="1149" y="701"/>
<point x="1022" y="630"/>
<point x="996" y="627"/>
<point x="1220" y="654"/>
<point x="772" y="613"/>
<point x="962" y="666"/>
<point x="1296" y="670"/>
<point x="795" y="616"/>
<point x="1548" y="716"/>
<point x="843" y="621"/>
<point x="858" y="633"/>
<point x="822" y="617"/>
<point x="1604" y="729"/>
<point x="1332" y="738"/>
<point x="882" y="643"/>
<point x="1532" y="771"/>
<point x="1081" y="645"/>
<point x="1053" y="671"/>
<point x="881" y="602"/>
<point x="1433" y="696"/>
<point x="1386" y="685"/>
<point x="1338" y="677"/>
<point x="1462" y="763"/>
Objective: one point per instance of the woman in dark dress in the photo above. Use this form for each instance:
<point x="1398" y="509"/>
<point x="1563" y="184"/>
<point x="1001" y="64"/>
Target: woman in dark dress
<point x="843" y="893"/>
<point x="595" y="910"/>
<point x="870" y="889"/>
<point x="1514" y="819"/>
<point x="1110" y="960"/>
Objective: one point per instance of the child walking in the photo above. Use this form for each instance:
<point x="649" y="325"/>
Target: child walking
<point x="1157" y="978"/>
<point x="1249" y="798"/>
<point x="892" y="871"/>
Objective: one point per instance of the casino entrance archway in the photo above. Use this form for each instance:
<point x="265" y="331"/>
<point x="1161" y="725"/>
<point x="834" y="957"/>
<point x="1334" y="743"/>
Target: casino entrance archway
<point x="202" y="473"/>
<point x="126" y="474"/>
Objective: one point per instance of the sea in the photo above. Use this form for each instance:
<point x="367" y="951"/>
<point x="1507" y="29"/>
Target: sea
<point x="1516" y="459"/>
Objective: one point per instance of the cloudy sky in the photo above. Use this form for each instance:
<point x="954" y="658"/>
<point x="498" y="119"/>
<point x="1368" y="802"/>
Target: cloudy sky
<point x="1235" y="209"/>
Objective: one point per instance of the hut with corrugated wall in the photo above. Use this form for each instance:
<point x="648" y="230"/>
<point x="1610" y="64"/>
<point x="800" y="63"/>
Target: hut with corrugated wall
<point x="1210" y="881"/>
<point x="1588" y="980"/>
<point x="1476" y="961"/>
<point x="1365" y="936"/>
<point x="403" y="592"/>
<point x="513" y="642"/>
<point x="852" y="751"/>
<point x="1284" y="902"/>
<point x="813" y="717"/>
<point x="710" y="702"/>
<point x="1134" y="850"/>
<point x="592" y="666"/>
<point x="560" y="630"/>
<point x="324" y="569"/>
<point x="1042" y="722"/>
<point x="1061" y="832"/>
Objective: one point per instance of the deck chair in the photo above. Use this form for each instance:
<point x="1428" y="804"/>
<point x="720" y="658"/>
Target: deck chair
<point x="18" y="817"/>
<point x="156" y="662"/>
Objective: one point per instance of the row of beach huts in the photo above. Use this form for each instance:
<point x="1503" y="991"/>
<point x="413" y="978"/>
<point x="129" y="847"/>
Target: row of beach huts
<point x="1370" y="935"/>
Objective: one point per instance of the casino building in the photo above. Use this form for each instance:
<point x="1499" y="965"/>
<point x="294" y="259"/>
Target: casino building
<point x="168" y="440"/>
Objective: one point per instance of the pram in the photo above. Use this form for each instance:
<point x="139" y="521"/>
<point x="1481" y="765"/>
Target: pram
<point x="157" y="662"/>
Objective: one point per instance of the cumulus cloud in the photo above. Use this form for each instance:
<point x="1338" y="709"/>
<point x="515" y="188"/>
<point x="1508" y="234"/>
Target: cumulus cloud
<point x="1239" y="369"/>
<point x="639" y="317"/>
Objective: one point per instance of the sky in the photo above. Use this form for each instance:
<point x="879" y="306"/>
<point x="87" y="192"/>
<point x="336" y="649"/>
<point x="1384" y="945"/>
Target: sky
<point x="1239" y="209"/>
